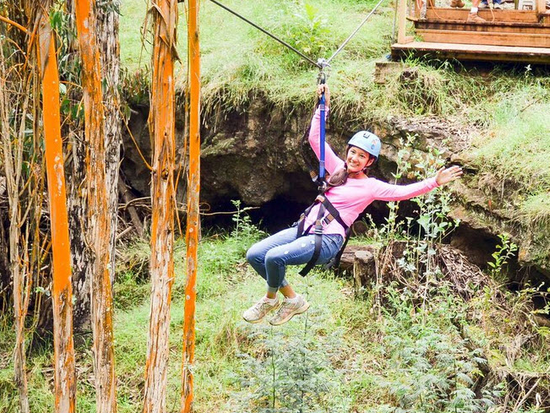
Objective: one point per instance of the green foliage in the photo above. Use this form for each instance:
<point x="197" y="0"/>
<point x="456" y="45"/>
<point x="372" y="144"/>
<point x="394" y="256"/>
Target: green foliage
<point x="502" y="255"/>
<point x="293" y="372"/>
<point x="304" y="28"/>
<point x="432" y="367"/>
<point x="244" y="229"/>
<point x="341" y="356"/>
<point x="134" y="88"/>
<point x="515" y="153"/>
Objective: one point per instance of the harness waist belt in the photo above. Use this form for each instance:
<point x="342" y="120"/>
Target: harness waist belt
<point x="320" y="221"/>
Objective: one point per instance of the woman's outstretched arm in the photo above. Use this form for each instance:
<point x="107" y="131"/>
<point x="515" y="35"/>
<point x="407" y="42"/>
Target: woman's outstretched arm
<point x="389" y="192"/>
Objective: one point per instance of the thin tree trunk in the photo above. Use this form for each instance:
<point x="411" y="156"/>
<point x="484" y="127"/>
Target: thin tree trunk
<point x="193" y="192"/>
<point x="65" y="383"/>
<point x="162" y="128"/>
<point x="99" y="221"/>
<point x="12" y="161"/>
<point x="107" y="29"/>
<point x="127" y="198"/>
<point x="82" y="257"/>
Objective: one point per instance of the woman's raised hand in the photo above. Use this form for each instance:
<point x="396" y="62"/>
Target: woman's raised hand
<point x="446" y="175"/>
<point x="323" y="87"/>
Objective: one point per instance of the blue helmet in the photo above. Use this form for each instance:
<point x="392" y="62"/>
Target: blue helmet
<point x="367" y="141"/>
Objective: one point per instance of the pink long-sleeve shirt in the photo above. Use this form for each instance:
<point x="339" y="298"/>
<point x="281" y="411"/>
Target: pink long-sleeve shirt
<point x="351" y="198"/>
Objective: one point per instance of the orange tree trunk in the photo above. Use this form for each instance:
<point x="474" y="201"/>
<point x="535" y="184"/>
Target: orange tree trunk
<point x="98" y="223"/>
<point x="65" y="383"/>
<point x="162" y="129"/>
<point x="193" y="192"/>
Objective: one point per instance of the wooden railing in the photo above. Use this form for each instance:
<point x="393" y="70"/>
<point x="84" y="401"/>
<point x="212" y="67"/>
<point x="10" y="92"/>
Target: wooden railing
<point x="402" y="14"/>
<point x="415" y="10"/>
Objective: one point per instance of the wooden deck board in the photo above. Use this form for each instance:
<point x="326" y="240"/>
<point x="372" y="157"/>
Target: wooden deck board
<point x="486" y="38"/>
<point x="526" y="16"/>
<point x="539" y="55"/>
<point x="503" y="27"/>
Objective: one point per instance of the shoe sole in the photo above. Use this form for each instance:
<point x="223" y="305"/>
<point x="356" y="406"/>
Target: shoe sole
<point x="259" y="320"/>
<point x="254" y="321"/>
<point x="300" y="310"/>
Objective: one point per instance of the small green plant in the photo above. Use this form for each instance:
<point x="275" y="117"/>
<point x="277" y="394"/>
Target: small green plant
<point x="504" y="251"/>
<point x="307" y="30"/>
<point x="431" y="368"/>
<point x="304" y="28"/>
<point x="135" y="88"/>
<point x="244" y="228"/>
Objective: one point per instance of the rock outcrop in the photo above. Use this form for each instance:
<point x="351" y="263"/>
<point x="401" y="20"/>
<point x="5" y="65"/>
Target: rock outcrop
<point x="255" y="155"/>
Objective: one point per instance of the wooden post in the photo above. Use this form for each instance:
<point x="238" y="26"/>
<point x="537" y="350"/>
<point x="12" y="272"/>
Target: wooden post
<point x="401" y="21"/>
<point x="65" y="381"/>
<point x="541" y="7"/>
<point x="193" y="191"/>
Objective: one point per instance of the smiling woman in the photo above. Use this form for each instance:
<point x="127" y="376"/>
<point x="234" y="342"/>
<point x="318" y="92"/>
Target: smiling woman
<point x="323" y="228"/>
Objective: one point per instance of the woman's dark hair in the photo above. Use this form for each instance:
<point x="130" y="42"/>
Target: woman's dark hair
<point x="339" y="177"/>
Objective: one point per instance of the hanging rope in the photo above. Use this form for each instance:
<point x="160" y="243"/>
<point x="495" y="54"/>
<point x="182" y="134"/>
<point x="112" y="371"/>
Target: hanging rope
<point x="322" y="109"/>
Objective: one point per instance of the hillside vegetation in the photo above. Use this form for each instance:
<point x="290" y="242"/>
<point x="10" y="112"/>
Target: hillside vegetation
<point x="503" y="112"/>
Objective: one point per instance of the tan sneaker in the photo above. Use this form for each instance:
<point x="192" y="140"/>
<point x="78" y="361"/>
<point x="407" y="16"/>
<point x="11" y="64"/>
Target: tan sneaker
<point x="258" y="311"/>
<point x="457" y="3"/>
<point x="289" y="309"/>
<point x="474" y="18"/>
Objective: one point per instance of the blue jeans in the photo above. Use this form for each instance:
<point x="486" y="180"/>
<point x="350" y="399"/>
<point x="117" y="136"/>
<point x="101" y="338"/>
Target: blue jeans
<point x="270" y="256"/>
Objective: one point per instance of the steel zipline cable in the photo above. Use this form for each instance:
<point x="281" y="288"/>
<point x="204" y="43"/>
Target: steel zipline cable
<point x="269" y="34"/>
<point x="355" y="32"/>
<point x="321" y="63"/>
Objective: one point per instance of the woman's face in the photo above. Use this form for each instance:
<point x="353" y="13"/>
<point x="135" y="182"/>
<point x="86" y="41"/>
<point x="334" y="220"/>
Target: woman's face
<point x="357" y="159"/>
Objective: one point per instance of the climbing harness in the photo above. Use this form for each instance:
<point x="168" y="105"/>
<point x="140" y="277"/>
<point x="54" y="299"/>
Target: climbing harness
<point x="324" y="206"/>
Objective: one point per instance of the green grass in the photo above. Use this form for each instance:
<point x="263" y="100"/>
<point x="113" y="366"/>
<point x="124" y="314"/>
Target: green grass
<point x="134" y="52"/>
<point x="361" y="358"/>
<point x="512" y="162"/>
<point x="346" y="354"/>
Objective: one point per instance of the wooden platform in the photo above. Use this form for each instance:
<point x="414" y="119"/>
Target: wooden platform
<point x="469" y="52"/>
<point x="506" y="36"/>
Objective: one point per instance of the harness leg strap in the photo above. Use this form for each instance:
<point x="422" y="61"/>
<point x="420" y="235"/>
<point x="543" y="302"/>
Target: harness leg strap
<point x="318" y="242"/>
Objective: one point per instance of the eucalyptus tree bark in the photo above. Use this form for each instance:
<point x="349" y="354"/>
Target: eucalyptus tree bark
<point x="82" y="256"/>
<point x="193" y="219"/>
<point x="98" y="220"/>
<point x="108" y="41"/>
<point x="162" y="129"/>
<point x="64" y="371"/>
<point x="12" y="160"/>
<point x="108" y="29"/>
